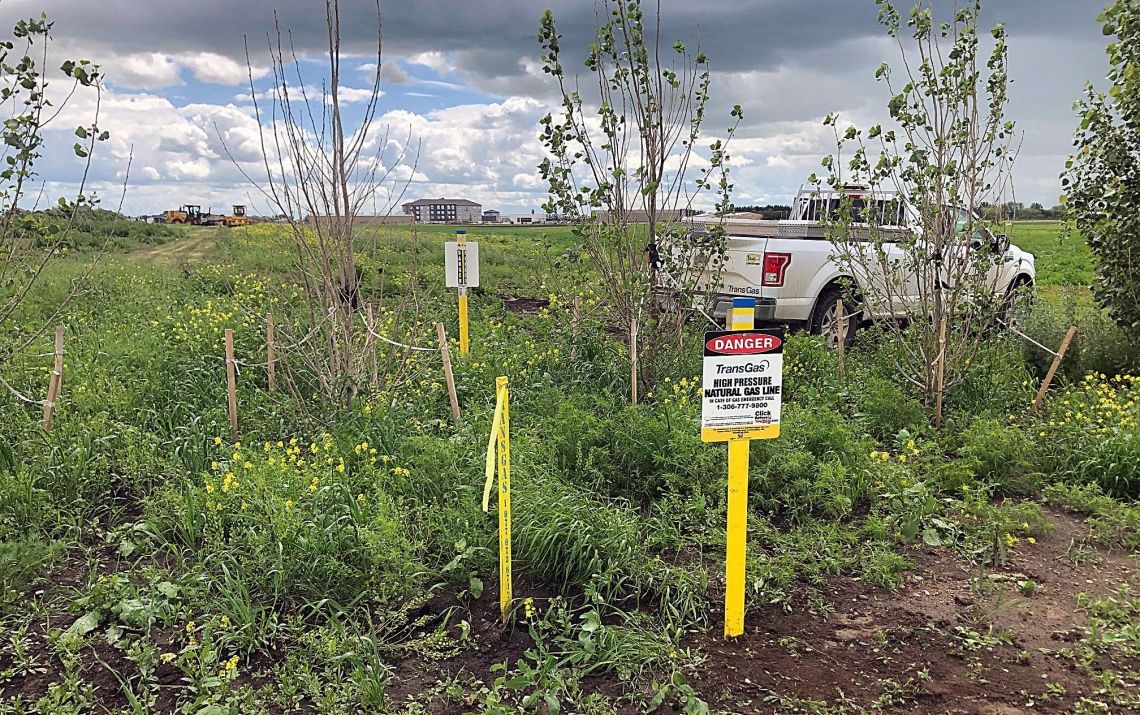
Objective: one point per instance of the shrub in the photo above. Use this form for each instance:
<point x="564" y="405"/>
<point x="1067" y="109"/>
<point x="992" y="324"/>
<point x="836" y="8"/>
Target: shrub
<point x="297" y="525"/>
<point x="571" y="538"/>
<point x="1089" y="434"/>
<point x="1100" y="345"/>
<point x="997" y="383"/>
<point x="22" y="561"/>
<point x="1000" y="453"/>
<point x="884" y="409"/>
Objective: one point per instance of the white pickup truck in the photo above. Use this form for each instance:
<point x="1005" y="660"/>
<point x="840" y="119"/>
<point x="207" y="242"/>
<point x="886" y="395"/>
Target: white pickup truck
<point x="788" y="265"/>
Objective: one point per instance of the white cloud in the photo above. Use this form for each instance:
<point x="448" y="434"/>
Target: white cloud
<point x="528" y="181"/>
<point x="435" y="61"/>
<point x="218" y="69"/>
<point x="190" y="169"/>
<point x="146" y="71"/>
<point x="355" y="94"/>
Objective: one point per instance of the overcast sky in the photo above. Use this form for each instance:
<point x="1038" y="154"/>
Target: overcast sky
<point x="462" y="78"/>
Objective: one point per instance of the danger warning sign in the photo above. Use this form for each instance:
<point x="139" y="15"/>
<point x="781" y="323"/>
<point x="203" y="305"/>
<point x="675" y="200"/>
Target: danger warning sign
<point x="742" y="384"/>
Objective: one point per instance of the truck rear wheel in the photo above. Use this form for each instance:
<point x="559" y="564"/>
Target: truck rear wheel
<point x="824" y="319"/>
<point x="1017" y="303"/>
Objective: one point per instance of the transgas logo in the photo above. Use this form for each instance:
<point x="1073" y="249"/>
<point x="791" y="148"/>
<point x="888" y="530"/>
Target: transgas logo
<point x="743" y="344"/>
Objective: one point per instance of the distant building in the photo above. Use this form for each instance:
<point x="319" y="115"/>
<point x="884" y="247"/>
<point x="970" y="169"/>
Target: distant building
<point x="750" y="215"/>
<point x="444" y="211"/>
<point x="491" y="216"/>
<point x="520" y="218"/>
<point x="640" y="216"/>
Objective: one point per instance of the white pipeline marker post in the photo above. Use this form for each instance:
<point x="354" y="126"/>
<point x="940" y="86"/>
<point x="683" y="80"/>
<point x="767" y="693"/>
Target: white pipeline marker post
<point x="741" y="398"/>
<point x="461" y="270"/>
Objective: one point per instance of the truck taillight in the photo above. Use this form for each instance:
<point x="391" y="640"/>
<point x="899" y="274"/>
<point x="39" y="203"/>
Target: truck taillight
<point x="775" y="265"/>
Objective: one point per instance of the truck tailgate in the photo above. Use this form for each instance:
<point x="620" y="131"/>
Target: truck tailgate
<point x="743" y="268"/>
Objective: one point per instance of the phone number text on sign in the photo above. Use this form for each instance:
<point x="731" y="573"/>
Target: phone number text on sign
<point x="742" y="385"/>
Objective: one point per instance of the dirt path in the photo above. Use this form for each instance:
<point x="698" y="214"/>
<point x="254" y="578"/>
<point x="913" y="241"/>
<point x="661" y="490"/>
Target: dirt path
<point x="194" y="247"/>
<point x="954" y="639"/>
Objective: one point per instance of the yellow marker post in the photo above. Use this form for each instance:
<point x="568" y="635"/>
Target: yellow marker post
<point x="743" y="315"/>
<point x="464" y="340"/>
<point x="499" y="453"/>
<point x="736" y="532"/>
<point x="736" y="536"/>
<point x="740" y="402"/>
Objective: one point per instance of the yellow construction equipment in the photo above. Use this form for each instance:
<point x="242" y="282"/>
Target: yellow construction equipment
<point x="190" y="214"/>
<point x="238" y="218"/>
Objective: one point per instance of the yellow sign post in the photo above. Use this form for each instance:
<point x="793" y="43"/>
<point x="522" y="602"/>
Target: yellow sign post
<point x="464" y="339"/>
<point x="461" y="270"/>
<point x="736" y="536"/>
<point x="743" y="369"/>
<point x="499" y="453"/>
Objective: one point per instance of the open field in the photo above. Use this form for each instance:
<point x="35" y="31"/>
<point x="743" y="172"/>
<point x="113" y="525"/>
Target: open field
<point x="1062" y="260"/>
<point x="151" y="563"/>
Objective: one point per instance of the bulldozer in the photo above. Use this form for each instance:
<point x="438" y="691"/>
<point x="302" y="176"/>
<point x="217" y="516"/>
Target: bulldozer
<point x="190" y="215"/>
<point x="238" y="218"/>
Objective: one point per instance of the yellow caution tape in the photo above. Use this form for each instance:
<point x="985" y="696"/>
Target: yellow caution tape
<point x="496" y="425"/>
<point x="499" y="454"/>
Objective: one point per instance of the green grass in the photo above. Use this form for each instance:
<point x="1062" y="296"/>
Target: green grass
<point x="1062" y="260"/>
<point x="298" y="569"/>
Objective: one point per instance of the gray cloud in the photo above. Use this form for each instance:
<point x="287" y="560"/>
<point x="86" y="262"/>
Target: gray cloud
<point x="788" y="62"/>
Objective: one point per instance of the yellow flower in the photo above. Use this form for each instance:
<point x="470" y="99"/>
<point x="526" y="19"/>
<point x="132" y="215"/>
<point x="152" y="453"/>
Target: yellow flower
<point x="167" y="657"/>
<point x="1031" y="540"/>
<point x="288" y="503"/>
<point x="217" y="440"/>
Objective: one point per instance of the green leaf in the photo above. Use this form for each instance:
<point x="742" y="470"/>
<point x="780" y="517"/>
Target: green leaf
<point x="82" y="626"/>
<point x="135" y="612"/>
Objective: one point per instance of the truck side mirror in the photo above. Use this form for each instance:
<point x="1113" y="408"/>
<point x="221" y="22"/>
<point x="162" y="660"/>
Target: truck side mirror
<point x="1001" y="243"/>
